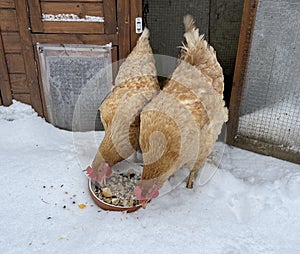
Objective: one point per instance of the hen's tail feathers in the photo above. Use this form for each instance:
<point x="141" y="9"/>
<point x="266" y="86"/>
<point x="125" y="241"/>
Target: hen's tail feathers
<point x="189" y="22"/>
<point x="143" y="45"/>
<point x="145" y="34"/>
<point x="196" y="51"/>
<point x="195" y="46"/>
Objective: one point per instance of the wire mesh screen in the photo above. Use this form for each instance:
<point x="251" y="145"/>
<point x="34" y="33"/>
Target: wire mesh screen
<point x="225" y="22"/>
<point x="218" y="20"/>
<point x="270" y="107"/>
<point x="76" y="78"/>
<point x="164" y="19"/>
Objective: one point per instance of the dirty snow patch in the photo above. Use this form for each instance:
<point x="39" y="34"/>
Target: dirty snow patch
<point x="16" y="111"/>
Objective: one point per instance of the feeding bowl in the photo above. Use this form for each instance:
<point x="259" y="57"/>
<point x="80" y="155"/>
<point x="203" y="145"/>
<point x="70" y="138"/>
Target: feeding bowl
<point x="114" y="196"/>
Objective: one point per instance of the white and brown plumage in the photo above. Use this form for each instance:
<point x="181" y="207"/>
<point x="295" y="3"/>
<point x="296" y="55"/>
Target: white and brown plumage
<point x="180" y="125"/>
<point x="135" y="85"/>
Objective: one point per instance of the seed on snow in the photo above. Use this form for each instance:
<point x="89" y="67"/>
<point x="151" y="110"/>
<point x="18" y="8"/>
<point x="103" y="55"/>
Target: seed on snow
<point x="81" y="206"/>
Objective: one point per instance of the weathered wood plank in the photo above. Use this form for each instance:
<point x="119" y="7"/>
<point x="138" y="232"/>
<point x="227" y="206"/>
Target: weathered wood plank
<point x="135" y="11"/>
<point x="15" y="63"/>
<point x="28" y="54"/>
<point x="110" y="19"/>
<point x="124" y="28"/>
<point x="35" y="15"/>
<point x="114" y="54"/>
<point x="114" y="60"/>
<point x="80" y="9"/>
<point x="9" y="4"/>
<point x="73" y="27"/>
<point x="89" y="1"/>
<point x="267" y="149"/>
<point x="6" y="96"/>
<point x="75" y="39"/>
<point x="244" y="46"/>
<point x="8" y="20"/>
<point x="23" y="97"/>
<point x="11" y="42"/>
<point x="19" y="83"/>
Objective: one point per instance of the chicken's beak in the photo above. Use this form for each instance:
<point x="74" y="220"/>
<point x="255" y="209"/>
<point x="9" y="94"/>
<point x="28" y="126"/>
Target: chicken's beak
<point x="145" y="203"/>
<point x="103" y="181"/>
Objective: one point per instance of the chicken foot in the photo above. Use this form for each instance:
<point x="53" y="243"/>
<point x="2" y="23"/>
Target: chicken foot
<point x="193" y="174"/>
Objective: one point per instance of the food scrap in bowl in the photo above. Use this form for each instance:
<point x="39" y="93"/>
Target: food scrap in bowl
<point x="118" y="190"/>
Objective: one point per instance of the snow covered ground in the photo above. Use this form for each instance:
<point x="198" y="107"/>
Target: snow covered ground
<point x="251" y="205"/>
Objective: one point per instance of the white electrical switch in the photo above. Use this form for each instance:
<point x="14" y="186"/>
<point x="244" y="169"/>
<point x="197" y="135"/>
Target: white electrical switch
<point x="138" y="25"/>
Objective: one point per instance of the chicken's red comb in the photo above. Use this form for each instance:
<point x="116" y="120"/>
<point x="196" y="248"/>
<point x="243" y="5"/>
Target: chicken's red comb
<point x="91" y="173"/>
<point x="152" y="193"/>
<point x="138" y="192"/>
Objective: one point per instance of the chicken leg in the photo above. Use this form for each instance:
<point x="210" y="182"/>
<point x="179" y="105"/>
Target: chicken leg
<point x="193" y="173"/>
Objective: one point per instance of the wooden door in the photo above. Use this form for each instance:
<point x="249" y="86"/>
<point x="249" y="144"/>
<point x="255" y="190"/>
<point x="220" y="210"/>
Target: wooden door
<point x="23" y="25"/>
<point x="8" y="27"/>
<point x="5" y="90"/>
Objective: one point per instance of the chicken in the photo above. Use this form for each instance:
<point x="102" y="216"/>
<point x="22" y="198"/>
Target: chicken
<point x="135" y="85"/>
<point x="180" y="125"/>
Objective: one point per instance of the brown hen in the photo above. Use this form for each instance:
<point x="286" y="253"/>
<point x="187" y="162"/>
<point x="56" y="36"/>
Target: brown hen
<point x="135" y="85"/>
<point x="180" y="125"/>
